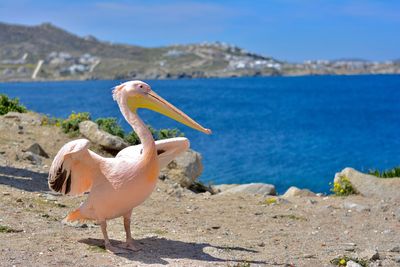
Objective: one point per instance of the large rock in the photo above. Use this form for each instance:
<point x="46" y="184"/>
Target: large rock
<point x="35" y="148"/>
<point x="91" y="131"/>
<point x="371" y="186"/>
<point x="224" y="187"/>
<point x="296" y="192"/>
<point x="184" y="169"/>
<point x="253" y="188"/>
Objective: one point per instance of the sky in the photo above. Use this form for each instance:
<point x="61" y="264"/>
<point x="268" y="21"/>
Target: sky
<point x="292" y="30"/>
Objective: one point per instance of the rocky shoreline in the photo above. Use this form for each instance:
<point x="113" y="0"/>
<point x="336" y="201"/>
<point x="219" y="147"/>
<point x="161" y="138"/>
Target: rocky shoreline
<point x="223" y="225"/>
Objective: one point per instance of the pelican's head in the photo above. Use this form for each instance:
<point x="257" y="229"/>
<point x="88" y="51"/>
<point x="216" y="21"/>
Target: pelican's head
<point x="138" y="94"/>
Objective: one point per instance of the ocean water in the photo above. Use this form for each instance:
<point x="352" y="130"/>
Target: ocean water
<point x="281" y="130"/>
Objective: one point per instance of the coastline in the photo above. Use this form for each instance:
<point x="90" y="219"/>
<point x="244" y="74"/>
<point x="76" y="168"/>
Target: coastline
<point x="195" y="78"/>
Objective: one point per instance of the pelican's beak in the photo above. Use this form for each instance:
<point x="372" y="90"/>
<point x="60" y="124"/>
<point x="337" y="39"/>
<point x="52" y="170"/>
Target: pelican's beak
<point x="156" y="103"/>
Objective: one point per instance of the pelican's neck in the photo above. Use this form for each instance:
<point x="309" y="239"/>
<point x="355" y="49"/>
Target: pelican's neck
<point x="145" y="136"/>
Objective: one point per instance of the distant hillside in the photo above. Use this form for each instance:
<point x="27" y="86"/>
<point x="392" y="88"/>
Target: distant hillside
<point x="68" y="56"/>
<point x="62" y="55"/>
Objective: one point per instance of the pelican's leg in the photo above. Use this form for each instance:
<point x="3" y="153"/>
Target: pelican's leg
<point x="130" y="244"/>
<point x="107" y="243"/>
<point x="168" y="149"/>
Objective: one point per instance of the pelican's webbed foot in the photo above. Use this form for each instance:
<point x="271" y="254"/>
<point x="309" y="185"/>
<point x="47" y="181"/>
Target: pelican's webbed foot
<point x="131" y="245"/>
<point x="114" y="249"/>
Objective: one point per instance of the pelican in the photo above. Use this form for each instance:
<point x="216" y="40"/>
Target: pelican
<point x="117" y="185"/>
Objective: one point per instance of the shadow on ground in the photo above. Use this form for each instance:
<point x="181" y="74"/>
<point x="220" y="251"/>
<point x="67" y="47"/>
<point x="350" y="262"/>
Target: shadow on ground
<point x="23" y="179"/>
<point x="154" y="250"/>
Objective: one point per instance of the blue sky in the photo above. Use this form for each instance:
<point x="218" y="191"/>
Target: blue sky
<point x="293" y="30"/>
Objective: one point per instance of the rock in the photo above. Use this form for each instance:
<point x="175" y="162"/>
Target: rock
<point x="198" y="187"/>
<point x="91" y="131"/>
<point x="25" y="118"/>
<point x="38" y="150"/>
<point x="371" y="186"/>
<point x="309" y="256"/>
<point x="354" y="206"/>
<point x="253" y="188"/>
<point x="369" y="254"/>
<point x="185" y="169"/>
<point x="349" y="246"/>
<point x="395" y="249"/>
<point x="33" y="158"/>
<point x="397" y="259"/>
<point x="377" y="263"/>
<point x="311" y="201"/>
<point x="49" y="197"/>
<point x="224" y="187"/>
<point x="296" y="192"/>
<point x="352" y="264"/>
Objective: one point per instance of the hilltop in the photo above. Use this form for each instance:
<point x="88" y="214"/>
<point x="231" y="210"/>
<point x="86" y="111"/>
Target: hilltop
<point x="68" y="56"/>
<point x="56" y="54"/>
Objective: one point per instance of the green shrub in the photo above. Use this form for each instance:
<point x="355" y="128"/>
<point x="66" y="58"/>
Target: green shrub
<point x="71" y="124"/>
<point x="110" y="125"/>
<point x="342" y="261"/>
<point x="168" y="133"/>
<point x="7" y="104"/>
<point x="46" y="120"/>
<point x="395" y="172"/>
<point x="343" y="187"/>
<point x="133" y="139"/>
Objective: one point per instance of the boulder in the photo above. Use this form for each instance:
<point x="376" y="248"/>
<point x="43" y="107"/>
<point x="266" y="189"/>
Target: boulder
<point x="253" y="188"/>
<point x="38" y="150"/>
<point x="224" y="187"/>
<point x="184" y="169"/>
<point x="371" y="186"/>
<point x="91" y="131"/>
<point x="296" y="192"/>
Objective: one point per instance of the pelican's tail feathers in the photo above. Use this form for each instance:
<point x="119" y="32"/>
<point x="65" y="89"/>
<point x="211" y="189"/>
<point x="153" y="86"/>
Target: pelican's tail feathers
<point x="75" y="215"/>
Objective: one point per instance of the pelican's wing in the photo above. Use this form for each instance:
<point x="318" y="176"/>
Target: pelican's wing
<point x="167" y="150"/>
<point x="133" y="152"/>
<point x="73" y="169"/>
<point x="126" y="166"/>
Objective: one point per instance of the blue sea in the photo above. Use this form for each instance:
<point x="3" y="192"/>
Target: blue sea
<point x="280" y="130"/>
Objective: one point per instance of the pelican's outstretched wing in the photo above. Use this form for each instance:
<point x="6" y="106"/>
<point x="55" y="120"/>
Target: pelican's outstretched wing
<point x="167" y="150"/>
<point x="73" y="169"/>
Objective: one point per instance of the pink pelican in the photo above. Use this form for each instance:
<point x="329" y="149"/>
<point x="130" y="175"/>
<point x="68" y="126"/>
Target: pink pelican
<point x="119" y="184"/>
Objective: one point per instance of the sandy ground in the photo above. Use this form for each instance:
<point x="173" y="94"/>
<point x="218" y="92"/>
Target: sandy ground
<point x="180" y="228"/>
